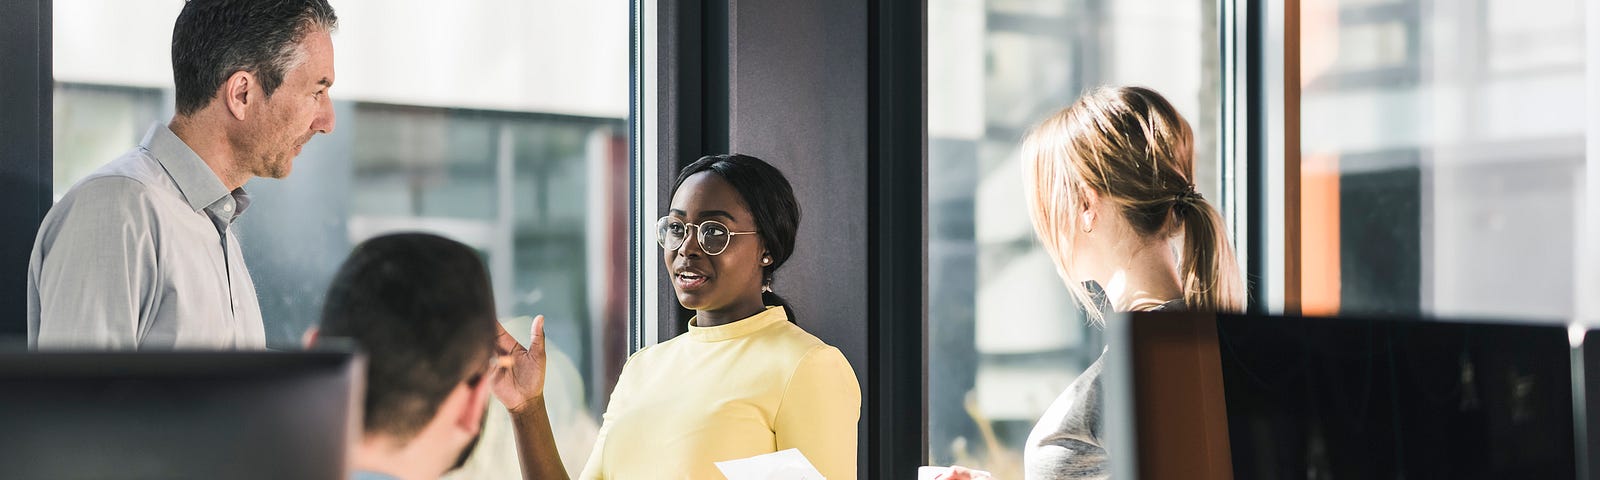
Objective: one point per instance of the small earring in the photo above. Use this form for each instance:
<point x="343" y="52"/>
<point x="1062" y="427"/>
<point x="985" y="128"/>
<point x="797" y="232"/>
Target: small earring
<point x="766" y="260"/>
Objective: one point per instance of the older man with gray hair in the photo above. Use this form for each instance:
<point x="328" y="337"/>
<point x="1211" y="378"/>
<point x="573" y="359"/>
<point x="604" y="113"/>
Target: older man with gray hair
<point x="142" y="252"/>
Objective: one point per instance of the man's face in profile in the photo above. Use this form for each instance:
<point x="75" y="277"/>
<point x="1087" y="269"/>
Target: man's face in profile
<point x="299" y="109"/>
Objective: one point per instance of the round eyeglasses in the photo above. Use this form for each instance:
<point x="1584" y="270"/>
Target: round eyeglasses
<point x="712" y="235"/>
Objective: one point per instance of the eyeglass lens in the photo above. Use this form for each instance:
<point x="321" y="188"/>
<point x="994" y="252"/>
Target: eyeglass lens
<point x="713" y="236"/>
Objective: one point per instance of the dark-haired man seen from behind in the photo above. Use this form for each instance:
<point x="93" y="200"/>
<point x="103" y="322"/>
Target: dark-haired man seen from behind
<point x="141" y="253"/>
<point x="422" y="308"/>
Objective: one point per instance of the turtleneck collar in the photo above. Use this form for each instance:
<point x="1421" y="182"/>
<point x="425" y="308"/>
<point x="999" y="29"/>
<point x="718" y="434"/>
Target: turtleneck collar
<point x="743" y="327"/>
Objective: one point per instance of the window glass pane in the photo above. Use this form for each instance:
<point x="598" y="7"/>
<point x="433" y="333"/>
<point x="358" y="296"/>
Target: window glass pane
<point x="95" y="123"/>
<point x="1442" y="156"/>
<point x="1005" y="337"/>
<point x="481" y="130"/>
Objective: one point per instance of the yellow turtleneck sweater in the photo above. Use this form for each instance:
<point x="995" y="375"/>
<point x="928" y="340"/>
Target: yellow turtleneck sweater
<point x="758" y="385"/>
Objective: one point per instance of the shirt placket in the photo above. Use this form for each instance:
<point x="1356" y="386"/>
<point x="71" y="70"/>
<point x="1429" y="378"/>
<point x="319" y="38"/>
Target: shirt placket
<point x="224" y="221"/>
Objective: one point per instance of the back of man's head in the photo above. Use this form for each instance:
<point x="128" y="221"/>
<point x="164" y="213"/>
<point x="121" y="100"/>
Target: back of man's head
<point x="212" y="39"/>
<point x="422" y="308"/>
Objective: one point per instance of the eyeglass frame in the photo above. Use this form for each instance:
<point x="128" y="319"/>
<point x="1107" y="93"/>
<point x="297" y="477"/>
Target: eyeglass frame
<point x="698" y="235"/>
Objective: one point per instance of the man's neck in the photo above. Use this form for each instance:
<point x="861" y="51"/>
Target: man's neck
<point x="405" y="461"/>
<point x="211" y="145"/>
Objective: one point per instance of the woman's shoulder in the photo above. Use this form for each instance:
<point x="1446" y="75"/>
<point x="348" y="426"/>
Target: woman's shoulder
<point x="816" y="366"/>
<point x="789" y="347"/>
<point x="1066" y="443"/>
<point x="795" y="339"/>
<point x="790" y="332"/>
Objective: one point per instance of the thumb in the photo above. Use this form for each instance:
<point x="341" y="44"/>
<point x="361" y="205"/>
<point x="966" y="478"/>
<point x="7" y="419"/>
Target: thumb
<point x="536" y="338"/>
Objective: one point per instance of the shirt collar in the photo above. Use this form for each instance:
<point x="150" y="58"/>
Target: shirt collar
<point x="196" y="181"/>
<point x="746" y="326"/>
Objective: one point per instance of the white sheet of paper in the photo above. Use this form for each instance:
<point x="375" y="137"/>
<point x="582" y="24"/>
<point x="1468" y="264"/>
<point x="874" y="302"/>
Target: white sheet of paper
<point x="781" y="465"/>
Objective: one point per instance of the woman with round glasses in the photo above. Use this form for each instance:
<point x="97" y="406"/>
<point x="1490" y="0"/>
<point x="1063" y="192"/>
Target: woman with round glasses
<point x="745" y="380"/>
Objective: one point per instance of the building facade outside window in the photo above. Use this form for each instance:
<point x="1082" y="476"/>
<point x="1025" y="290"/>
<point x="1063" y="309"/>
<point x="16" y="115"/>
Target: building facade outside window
<point x="1443" y="157"/>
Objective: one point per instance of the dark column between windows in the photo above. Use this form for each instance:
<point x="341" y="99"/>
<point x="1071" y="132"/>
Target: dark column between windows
<point x="832" y="92"/>
<point x="26" y="158"/>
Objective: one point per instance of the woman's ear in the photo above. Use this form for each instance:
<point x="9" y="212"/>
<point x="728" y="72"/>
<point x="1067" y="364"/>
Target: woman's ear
<point x="1087" y="197"/>
<point x="1089" y="201"/>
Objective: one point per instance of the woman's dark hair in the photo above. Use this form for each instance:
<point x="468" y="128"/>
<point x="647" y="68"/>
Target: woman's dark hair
<point x="766" y="192"/>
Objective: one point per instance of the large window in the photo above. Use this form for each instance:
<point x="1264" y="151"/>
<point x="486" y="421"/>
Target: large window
<point x="493" y="129"/>
<point x="1005" y="337"/>
<point x="1442" y="157"/>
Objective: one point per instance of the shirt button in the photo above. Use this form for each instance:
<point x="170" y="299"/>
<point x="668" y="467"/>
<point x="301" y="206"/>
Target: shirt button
<point x="227" y="207"/>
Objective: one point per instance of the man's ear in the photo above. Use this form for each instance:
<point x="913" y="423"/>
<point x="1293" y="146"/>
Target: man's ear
<point x="237" y="93"/>
<point x="309" y="339"/>
<point x="472" y="407"/>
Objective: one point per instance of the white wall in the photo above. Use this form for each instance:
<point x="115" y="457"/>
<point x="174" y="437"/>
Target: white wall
<point x="553" y="56"/>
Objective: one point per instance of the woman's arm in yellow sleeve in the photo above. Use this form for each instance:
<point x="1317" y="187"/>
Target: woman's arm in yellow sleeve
<point x="819" y="412"/>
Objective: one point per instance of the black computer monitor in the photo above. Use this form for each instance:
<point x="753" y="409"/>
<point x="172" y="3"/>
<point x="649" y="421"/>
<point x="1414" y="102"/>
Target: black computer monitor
<point x="178" y="415"/>
<point x="1287" y="397"/>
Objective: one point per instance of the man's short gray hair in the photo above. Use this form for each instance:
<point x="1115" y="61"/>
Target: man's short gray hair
<point x="212" y="39"/>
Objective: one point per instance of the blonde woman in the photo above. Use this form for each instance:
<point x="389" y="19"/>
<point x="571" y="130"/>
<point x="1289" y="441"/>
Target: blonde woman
<point x="1110" y="188"/>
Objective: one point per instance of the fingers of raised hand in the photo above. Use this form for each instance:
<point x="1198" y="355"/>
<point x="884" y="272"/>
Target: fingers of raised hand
<point x="505" y="343"/>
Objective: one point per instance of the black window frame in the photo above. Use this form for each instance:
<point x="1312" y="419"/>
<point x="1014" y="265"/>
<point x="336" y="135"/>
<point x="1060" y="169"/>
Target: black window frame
<point x="25" y="130"/>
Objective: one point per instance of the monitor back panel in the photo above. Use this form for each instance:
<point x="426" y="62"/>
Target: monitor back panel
<point x="177" y="415"/>
<point x="1356" y="398"/>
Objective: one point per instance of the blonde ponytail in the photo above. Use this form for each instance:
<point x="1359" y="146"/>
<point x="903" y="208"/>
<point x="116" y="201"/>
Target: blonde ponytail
<point x="1132" y="148"/>
<point x="1209" y="271"/>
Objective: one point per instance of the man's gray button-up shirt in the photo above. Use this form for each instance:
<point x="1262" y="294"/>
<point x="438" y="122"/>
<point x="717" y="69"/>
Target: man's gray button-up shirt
<point x="141" y="254"/>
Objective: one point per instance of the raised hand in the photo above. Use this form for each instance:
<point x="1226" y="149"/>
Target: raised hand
<point x="521" y="377"/>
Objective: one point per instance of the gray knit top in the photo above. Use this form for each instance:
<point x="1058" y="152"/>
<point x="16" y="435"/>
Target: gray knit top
<point x="1066" y="443"/>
